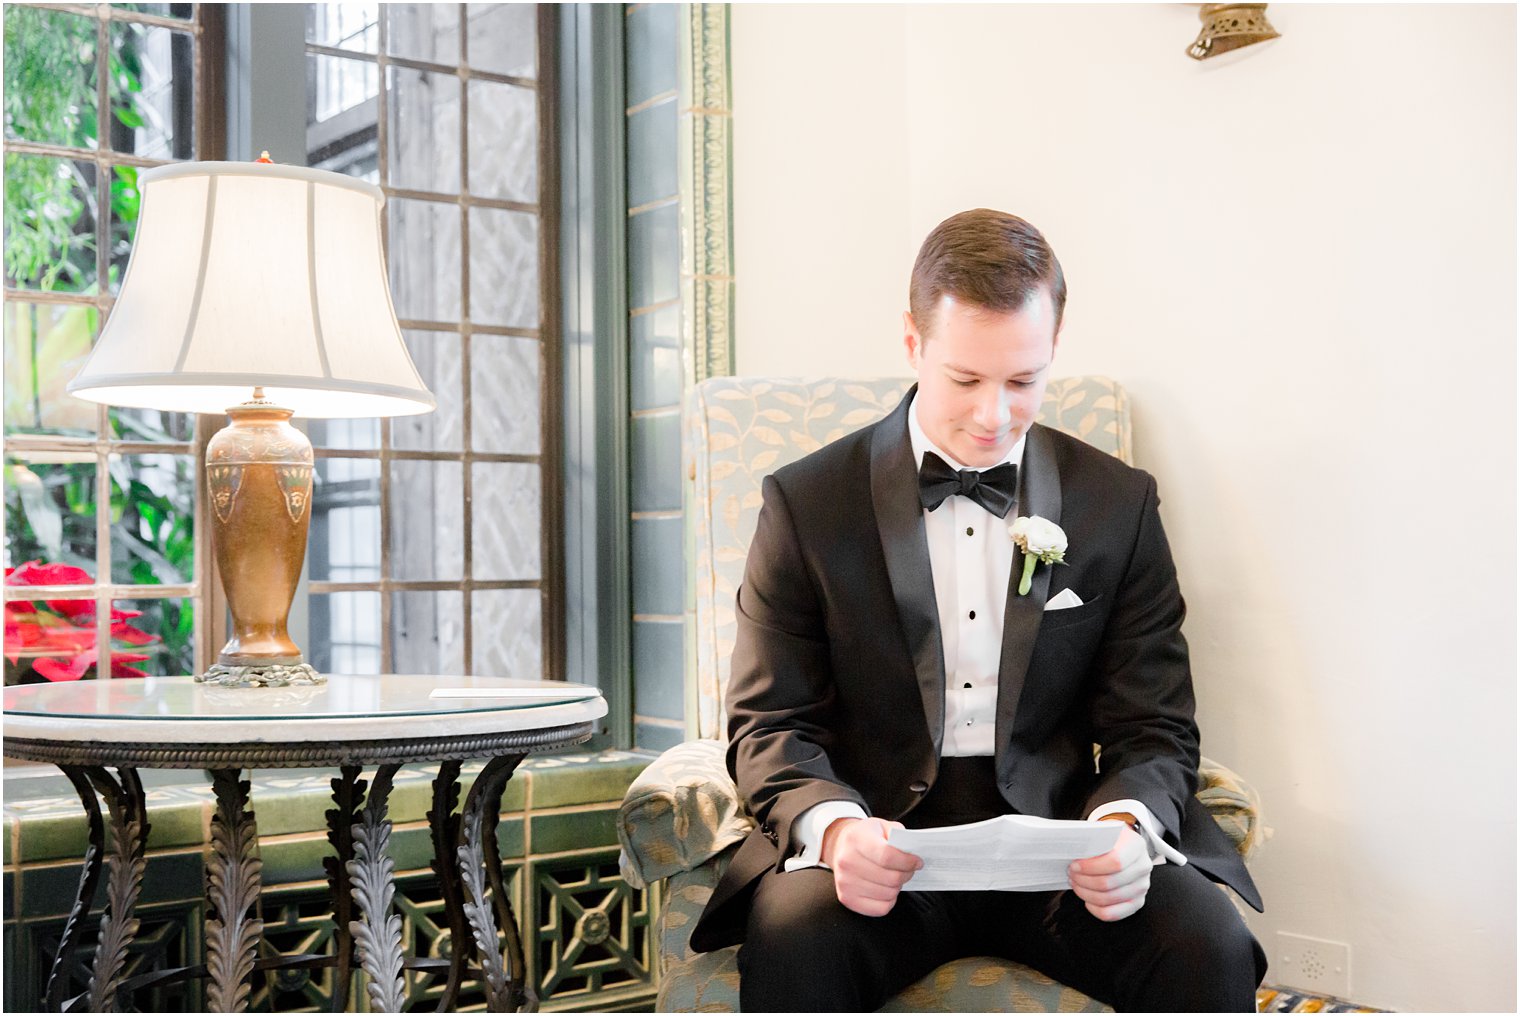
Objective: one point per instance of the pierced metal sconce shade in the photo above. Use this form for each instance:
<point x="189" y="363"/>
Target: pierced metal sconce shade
<point x="1229" y="27"/>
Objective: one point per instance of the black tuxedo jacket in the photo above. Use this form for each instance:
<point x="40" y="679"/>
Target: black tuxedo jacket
<point x="838" y="683"/>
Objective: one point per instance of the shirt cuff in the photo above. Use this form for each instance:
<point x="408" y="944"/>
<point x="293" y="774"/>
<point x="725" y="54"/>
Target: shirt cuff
<point x="809" y="827"/>
<point x="1161" y="851"/>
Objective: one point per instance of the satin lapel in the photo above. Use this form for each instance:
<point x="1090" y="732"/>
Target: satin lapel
<point x="1039" y="494"/>
<point x="905" y="544"/>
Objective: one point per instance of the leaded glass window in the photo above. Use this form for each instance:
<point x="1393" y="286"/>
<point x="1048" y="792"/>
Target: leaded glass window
<point x="101" y="551"/>
<point x="435" y="538"/>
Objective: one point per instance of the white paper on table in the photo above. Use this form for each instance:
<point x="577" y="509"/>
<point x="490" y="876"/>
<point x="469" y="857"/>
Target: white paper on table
<point x="568" y="691"/>
<point x="1015" y="852"/>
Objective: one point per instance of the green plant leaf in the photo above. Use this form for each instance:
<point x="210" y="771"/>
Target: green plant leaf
<point x="49" y="96"/>
<point x="126" y="199"/>
<point x="42" y="515"/>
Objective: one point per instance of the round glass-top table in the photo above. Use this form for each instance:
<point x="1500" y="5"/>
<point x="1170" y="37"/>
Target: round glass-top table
<point x="349" y="722"/>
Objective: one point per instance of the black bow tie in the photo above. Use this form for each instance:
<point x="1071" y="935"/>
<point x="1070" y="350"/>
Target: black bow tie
<point x="994" y="489"/>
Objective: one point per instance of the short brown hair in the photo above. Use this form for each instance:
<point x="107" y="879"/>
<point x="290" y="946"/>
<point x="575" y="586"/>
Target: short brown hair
<point x="986" y="258"/>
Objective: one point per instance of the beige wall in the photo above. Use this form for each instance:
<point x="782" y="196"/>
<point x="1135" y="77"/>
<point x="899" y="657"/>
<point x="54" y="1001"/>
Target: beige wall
<point x="1301" y="262"/>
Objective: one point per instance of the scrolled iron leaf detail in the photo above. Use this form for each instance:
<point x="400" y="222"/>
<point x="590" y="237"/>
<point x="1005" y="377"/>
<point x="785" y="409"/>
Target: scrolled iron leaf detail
<point x="377" y="931"/>
<point x="234" y="876"/>
<point x="126" y="864"/>
<point x="444" y="826"/>
<point x="477" y="909"/>
<point x="117" y="926"/>
<point x="479" y="868"/>
<point x="348" y="798"/>
<point x="89" y="878"/>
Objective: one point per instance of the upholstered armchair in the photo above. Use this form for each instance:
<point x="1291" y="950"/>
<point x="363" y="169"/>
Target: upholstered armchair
<point x="682" y="819"/>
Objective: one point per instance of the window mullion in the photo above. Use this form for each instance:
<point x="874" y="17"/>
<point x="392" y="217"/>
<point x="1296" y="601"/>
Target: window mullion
<point x="210" y="602"/>
<point x="387" y="518"/>
<point x="211" y="605"/>
<point x="551" y="355"/>
<point x="102" y="552"/>
<point x="466" y="345"/>
<point x="103" y="669"/>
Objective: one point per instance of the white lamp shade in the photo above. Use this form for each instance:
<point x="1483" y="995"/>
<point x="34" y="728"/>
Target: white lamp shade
<point x="247" y="274"/>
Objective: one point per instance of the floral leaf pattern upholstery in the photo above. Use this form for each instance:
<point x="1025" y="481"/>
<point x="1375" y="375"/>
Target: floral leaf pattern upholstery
<point x="1234" y="804"/>
<point x="679" y="812"/>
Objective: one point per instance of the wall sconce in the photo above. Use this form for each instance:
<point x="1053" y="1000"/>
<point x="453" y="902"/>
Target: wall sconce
<point x="1229" y="27"/>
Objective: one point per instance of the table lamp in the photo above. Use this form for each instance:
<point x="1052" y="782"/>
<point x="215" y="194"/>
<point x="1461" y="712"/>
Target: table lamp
<point x="258" y="290"/>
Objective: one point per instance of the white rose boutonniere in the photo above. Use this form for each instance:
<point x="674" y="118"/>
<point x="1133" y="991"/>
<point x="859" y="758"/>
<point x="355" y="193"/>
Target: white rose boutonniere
<point x="1040" y="540"/>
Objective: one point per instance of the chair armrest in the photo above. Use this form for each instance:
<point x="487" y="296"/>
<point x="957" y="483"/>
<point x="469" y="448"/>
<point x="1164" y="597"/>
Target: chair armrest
<point x="1235" y="805"/>
<point x="680" y="812"/>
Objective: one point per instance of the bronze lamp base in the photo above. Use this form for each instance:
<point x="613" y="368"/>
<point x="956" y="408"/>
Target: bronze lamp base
<point x="259" y="471"/>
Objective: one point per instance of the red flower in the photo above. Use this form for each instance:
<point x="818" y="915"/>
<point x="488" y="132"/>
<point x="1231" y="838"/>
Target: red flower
<point x="56" y="670"/>
<point x="58" y="636"/>
<point x="35" y="573"/>
<point x="40" y="633"/>
<point x="125" y="632"/>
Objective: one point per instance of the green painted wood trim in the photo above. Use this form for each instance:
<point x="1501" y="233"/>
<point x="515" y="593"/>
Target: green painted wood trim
<point x="705" y="137"/>
<point x="594" y="312"/>
<point x="706" y="187"/>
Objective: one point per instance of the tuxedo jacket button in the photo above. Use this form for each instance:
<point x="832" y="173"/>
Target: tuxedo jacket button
<point x="918" y="786"/>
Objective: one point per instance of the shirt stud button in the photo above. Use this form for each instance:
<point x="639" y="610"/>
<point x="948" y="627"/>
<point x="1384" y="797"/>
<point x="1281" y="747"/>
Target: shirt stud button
<point x="972" y="615"/>
<point x="970" y="531"/>
<point x="968" y="684"/>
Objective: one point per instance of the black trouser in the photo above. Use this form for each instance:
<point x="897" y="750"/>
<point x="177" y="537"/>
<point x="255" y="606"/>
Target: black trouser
<point x="1186" y="950"/>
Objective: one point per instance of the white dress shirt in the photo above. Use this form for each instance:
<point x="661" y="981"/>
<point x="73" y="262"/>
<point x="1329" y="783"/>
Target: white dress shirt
<point x="971" y="556"/>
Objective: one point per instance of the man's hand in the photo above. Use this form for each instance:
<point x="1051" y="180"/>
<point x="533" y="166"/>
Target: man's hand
<point x="1113" y="885"/>
<point x="868" y="873"/>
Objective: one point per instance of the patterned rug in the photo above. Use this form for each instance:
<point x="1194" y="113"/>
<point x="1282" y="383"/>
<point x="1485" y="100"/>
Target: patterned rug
<point x="1288" y="1000"/>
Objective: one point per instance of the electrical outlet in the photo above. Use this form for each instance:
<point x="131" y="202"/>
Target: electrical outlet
<point x="1313" y="964"/>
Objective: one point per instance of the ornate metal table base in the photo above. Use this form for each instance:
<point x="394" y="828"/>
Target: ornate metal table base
<point x="361" y="874"/>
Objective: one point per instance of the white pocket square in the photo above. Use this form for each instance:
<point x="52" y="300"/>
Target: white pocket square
<point x="1063" y="600"/>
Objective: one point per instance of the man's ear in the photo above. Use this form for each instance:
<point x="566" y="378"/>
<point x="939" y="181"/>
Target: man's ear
<point x="912" y="341"/>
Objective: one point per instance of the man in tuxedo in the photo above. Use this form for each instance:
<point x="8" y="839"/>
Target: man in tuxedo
<point x="888" y="671"/>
